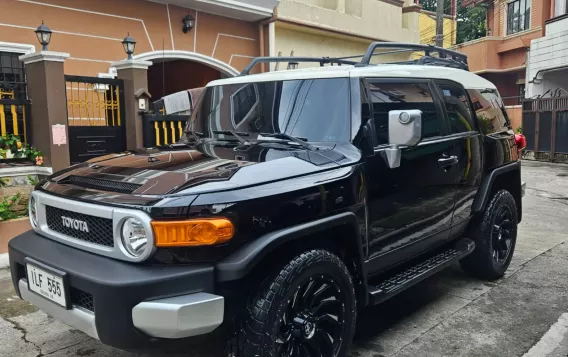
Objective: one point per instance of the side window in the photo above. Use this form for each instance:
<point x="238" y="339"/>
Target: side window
<point x="400" y="96"/>
<point x="489" y="110"/>
<point x="457" y="107"/>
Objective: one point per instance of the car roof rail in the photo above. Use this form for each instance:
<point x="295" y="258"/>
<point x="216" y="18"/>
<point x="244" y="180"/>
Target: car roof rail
<point x="446" y="57"/>
<point x="321" y="60"/>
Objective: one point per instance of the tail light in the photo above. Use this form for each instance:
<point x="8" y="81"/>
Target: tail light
<point x="521" y="141"/>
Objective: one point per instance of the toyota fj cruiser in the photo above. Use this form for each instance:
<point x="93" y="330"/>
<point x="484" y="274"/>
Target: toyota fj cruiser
<point x="295" y="199"/>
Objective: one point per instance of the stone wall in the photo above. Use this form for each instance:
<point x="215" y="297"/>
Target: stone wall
<point x="18" y="187"/>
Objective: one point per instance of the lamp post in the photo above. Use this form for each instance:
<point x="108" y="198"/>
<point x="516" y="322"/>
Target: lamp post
<point x="43" y="34"/>
<point x="188" y="23"/>
<point x="129" y="44"/>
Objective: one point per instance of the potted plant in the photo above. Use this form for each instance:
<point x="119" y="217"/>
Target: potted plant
<point x="13" y="217"/>
<point x="12" y="148"/>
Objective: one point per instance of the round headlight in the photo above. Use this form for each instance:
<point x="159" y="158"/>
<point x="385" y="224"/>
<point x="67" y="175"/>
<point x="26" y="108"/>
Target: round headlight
<point x="134" y="237"/>
<point x="33" y="211"/>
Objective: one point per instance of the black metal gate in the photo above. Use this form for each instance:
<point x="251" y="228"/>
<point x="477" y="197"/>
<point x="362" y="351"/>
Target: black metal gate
<point x="545" y="125"/>
<point x="95" y="111"/>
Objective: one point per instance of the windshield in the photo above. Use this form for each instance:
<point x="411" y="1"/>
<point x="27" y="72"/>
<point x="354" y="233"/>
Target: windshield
<point x="312" y="109"/>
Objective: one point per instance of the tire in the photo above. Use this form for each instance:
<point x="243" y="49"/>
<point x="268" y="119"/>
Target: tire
<point x="495" y="237"/>
<point x="291" y="314"/>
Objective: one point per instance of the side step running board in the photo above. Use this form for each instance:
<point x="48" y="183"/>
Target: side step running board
<point x="416" y="273"/>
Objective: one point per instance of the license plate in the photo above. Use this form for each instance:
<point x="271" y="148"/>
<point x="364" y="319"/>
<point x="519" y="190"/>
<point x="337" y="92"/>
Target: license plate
<point x="47" y="282"/>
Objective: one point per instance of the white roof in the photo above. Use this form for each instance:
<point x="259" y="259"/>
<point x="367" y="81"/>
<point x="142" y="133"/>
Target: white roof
<point x="465" y="78"/>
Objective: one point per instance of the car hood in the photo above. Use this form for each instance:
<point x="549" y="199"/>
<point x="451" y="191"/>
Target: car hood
<point x="205" y="168"/>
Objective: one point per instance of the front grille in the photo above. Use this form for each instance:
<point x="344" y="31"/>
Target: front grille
<point x="82" y="299"/>
<point x="98" y="184"/>
<point x="99" y="229"/>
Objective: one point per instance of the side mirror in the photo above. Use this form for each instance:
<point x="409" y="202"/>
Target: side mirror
<point x="405" y="129"/>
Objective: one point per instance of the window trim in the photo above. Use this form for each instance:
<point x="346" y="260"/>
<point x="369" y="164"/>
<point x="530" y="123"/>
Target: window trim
<point x="435" y="98"/>
<point x="506" y="17"/>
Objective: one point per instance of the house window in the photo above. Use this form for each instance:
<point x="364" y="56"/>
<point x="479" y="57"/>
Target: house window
<point x="560" y="7"/>
<point x="12" y="76"/>
<point x="521" y="93"/>
<point x="518" y="16"/>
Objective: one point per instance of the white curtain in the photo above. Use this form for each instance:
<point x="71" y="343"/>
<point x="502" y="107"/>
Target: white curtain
<point x="560" y="7"/>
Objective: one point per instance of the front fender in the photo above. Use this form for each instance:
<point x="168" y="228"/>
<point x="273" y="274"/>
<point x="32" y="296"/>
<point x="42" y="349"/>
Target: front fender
<point x="240" y="263"/>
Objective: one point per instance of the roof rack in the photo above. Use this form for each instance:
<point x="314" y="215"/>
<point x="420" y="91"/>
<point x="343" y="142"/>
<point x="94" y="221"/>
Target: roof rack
<point x="445" y="58"/>
<point x="320" y="60"/>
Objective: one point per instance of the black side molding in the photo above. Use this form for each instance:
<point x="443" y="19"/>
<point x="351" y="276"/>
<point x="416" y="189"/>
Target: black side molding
<point x="485" y="188"/>
<point x="240" y="263"/>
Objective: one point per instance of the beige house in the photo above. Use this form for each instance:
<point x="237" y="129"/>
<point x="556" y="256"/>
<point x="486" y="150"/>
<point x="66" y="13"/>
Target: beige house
<point x="337" y="28"/>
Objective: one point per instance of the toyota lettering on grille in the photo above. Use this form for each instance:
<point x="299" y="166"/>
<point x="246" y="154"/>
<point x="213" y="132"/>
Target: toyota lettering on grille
<point x="75" y="224"/>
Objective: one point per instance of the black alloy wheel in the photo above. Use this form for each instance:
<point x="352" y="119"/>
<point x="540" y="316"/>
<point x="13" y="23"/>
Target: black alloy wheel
<point x="494" y="232"/>
<point x="501" y="235"/>
<point x="312" y="323"/>
<point x="306" y="309"/>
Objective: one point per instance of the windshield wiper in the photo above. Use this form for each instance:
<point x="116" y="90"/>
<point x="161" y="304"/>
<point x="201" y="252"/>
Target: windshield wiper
<point x="300" y="141"/>
<point x="235" y="134"/>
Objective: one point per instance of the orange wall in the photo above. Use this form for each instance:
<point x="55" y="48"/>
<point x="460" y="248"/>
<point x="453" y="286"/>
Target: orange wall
<point x="91" y="31"/>
<point x="498" y="53"/>
<point x="496" y="16"/>
<point x="515" y="116"/>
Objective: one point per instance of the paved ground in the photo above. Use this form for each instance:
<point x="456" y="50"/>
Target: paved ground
<point x="523" y="314"/>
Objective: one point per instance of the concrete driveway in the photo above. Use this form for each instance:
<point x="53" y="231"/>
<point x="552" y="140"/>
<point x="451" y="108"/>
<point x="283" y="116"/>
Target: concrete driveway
<point x="449" y="314"/>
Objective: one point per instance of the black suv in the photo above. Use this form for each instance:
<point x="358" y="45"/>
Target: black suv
<point x="295" y="199"/>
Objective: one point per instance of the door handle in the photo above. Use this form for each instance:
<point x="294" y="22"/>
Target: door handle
<point x="446" y="161"/>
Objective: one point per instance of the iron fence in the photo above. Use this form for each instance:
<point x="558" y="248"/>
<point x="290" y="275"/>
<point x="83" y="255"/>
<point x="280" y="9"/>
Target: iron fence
<point x="545" y="125"/>
<point x="162" y="129"/>
<point x="14" y="103"/>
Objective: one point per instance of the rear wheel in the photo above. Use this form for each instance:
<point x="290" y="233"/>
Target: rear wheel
<point x="307" y="310"/>
<point x="495" y="236"/>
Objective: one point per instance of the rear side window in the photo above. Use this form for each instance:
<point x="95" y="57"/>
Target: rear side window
<point x="403" y="96"/>
<point x="457" y="108"/>
<point x="489" y="110"/>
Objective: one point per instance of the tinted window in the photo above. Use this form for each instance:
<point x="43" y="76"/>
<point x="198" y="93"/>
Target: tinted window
<point x="318" y="110"/>
<point x="243" y="103"/>
<point x="400" y="96"/>
<point x="457" y="108"/>
<point x="489" y="110"/>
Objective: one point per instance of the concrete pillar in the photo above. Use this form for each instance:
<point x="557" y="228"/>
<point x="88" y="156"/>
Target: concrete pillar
<point x="46" y="90"/>
<point x="135" y="76"/>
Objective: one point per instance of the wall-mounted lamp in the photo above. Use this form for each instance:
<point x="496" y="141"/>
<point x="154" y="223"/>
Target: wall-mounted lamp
<point x="43" y="34"/>
<point x="188" y="23"/>
<point x="129" y="45"/>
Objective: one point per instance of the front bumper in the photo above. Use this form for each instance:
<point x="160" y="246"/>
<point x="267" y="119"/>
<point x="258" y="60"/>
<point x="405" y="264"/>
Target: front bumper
<point x="124" y="305"/>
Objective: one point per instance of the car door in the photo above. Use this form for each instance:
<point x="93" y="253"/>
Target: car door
<point x="467" y="148"/>
<point x="410" y="207"/>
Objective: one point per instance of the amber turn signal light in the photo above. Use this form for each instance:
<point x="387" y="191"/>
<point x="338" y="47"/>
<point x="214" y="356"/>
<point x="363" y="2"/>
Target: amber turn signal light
<point x="192" y="233"/>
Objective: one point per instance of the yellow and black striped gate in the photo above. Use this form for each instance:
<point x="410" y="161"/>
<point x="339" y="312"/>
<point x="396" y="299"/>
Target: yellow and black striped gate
<point x="13" y="115"/>
<point x="95" y="113"/>
<point x="14" y="104"/>
<point x="163" y="130"/>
